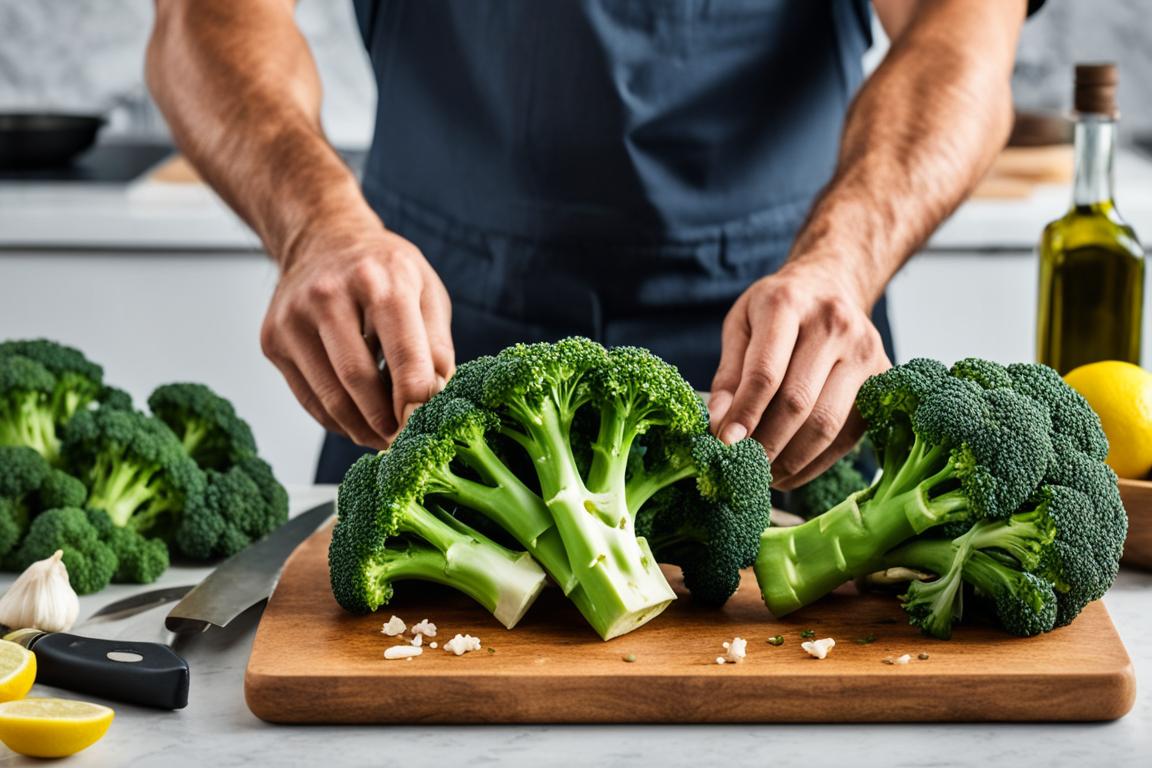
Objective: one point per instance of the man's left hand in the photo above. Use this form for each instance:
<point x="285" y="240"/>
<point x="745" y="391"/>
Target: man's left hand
<point x="796" y="347"/>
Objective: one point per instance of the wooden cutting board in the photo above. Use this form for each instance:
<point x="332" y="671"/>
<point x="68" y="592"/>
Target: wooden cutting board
<point x="312" y="662"/>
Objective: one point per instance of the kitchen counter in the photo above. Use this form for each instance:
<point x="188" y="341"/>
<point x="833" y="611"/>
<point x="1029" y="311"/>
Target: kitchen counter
<point x="153" y="216"/>
<point x="217" y="729"/>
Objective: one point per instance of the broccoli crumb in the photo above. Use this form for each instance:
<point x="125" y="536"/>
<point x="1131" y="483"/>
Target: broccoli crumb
<point x="631" y="657"/>
<point x="776" y="640"/>
<point x="491" y="649"/>
<point x="808" y="634"/>
<point x="922" y="657"/>
<point x="866" y="639"/>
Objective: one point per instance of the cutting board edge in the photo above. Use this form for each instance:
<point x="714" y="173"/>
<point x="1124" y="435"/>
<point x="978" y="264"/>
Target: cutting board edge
<point x="271" y="698"/>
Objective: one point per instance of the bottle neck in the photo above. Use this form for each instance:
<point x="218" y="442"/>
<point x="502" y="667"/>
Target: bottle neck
<point x="1095" y="147"/>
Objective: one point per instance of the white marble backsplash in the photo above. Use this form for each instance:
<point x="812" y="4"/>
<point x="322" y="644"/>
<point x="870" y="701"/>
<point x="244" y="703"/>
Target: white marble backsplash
<point x="87" y="54"/>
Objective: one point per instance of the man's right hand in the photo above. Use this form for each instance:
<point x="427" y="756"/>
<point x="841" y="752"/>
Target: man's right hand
<point x="335" y="289"/>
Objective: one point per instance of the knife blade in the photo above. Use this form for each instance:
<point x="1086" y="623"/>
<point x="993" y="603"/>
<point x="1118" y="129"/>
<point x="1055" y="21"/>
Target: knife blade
<point x="244" y="579"/>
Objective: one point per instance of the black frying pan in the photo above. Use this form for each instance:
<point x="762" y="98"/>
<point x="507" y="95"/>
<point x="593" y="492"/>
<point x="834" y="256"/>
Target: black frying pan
<point x="45" y="139"/>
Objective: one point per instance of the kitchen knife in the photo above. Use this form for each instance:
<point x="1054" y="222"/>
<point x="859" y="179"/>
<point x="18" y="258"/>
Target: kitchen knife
<point x="152" y="674"/>
<point x="244" y="579"/>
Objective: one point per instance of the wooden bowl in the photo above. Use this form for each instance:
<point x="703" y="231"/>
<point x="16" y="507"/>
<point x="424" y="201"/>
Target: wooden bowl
<point x="1137" y="497"/>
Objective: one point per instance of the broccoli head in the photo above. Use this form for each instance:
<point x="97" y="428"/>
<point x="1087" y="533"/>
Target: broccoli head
<point x="561" y="446"/>
<point x="79" y="382"/>
<point x="388" y="532"/>
<point x="206" y="423"/>
<point x="240" y="505"/>
<point x="28" y="486"/>
<point x="139" y="560"/>
<point x="135" y="469"/>
<point x="90" y="561"/>
<point x="829" y="488"/>
<point x="1023" y="517"/>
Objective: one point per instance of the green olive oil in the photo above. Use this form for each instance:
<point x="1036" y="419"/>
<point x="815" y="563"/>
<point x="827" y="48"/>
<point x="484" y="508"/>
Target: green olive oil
<point x="1091" y="295"/>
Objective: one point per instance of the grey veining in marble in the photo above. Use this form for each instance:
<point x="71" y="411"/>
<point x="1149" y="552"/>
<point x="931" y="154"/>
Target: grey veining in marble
<point x="87" y="54"/>
<point x="217" y="731"/>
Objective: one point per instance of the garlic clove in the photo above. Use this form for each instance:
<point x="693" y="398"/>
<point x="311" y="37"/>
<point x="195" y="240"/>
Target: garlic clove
<point x="41" y="597"/>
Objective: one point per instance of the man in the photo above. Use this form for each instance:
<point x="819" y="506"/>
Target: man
<point x="700" y="178"/>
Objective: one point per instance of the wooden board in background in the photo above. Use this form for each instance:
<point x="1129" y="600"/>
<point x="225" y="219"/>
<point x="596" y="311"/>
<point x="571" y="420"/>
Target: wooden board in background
<point x="312" y="662"/>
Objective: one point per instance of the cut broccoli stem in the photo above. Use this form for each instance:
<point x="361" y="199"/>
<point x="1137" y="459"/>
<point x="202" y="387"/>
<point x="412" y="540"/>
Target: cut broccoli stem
<point x="504" y="582"/>
<point x="798" y="565"/>
<point x="620" y="584"/>
<point x="120" y="487"/>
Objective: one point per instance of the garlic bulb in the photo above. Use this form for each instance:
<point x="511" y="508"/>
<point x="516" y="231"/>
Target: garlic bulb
<point x="41" y="597"/>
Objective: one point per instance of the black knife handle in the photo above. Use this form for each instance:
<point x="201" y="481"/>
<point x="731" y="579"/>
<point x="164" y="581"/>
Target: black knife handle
<point x="158" y="678"/>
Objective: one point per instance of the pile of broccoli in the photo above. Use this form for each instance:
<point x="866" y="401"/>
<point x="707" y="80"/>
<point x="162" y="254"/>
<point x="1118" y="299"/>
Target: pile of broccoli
<point x="116" y="489"/>
<point x="992" y="480"/>
<point x="585" y="465"/>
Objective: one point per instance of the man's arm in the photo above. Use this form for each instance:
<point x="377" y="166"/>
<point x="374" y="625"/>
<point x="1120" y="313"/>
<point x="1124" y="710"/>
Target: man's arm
<point x="919" y="136"/>
<point x="240" y="90"/>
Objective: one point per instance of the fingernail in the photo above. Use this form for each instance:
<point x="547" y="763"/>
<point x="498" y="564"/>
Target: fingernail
<point x="407" y="412"/>
<point x="733" y="433"/>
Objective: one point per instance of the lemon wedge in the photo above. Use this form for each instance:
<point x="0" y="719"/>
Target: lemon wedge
<point x="17" y="670"/>
<point x="52" y="727"/>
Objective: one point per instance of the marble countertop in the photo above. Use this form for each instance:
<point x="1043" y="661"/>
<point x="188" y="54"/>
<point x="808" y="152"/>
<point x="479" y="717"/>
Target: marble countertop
<point x="217" y="730"/>
<point x="152" y="216"/>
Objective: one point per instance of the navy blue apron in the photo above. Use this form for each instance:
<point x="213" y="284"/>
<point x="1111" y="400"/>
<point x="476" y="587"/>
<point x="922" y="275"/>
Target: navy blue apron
<point x="618" y="169"/>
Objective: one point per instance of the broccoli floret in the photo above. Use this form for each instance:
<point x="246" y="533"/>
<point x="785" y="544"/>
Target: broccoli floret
<point x="90" y="562"/>
<point x="79" y="381"/>
<point x="206" y="423"/>
<point x="240" y="506"/>
<point x="28" y="486"/>
<point x="135" y="468"/>
<point x="710" y="525"/>
<point x="829" y="488"/>
<point x="1037" y="560"/>
<point x="951" y="452"/>
<point x="139" y="560"/>
<point x="27" y="389"/>
<point x="388" y="531"/>
<point x="561" y="446"/>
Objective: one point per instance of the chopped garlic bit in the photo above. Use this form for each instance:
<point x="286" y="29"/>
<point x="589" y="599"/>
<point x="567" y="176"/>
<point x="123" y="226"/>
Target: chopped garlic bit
<point x="424" y="627"/>
<point x="737" y="650"/>
<point x="726" y="644"/>
<point x="402" y="652"/>
<point x="461" y="644"/>
<point x="721" y="660"/>
<point x="902" y="659"/>
<point x="818" y="648"/>
<point x="417" y="640"/>
<point x="433" y="644"/>
<point x="394" y="626"/>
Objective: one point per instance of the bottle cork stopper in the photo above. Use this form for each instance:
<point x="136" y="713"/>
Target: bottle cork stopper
<point x="1095" y="90"/>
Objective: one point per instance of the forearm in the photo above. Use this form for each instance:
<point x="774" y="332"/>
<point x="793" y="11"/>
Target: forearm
<point x="922" y="132"/>
<point x="241" y="94"/>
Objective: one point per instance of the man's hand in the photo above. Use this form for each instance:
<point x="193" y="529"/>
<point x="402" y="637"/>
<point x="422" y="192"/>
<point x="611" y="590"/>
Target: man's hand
<point x="796" y="347"/>
<point x="334" y="291"/>
<point x="919" y="136"/>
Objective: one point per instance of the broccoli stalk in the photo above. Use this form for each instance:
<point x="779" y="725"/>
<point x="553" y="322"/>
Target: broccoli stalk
<point x="135" y="469"/>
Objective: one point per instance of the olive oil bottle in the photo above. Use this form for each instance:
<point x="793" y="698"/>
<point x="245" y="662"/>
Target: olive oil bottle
<point x="1091" y="264"/>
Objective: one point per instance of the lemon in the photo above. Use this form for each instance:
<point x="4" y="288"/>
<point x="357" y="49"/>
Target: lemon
<point x="1121" y="394"/>
<point x="52" y="727"/>
<point x="17" y="670"/>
